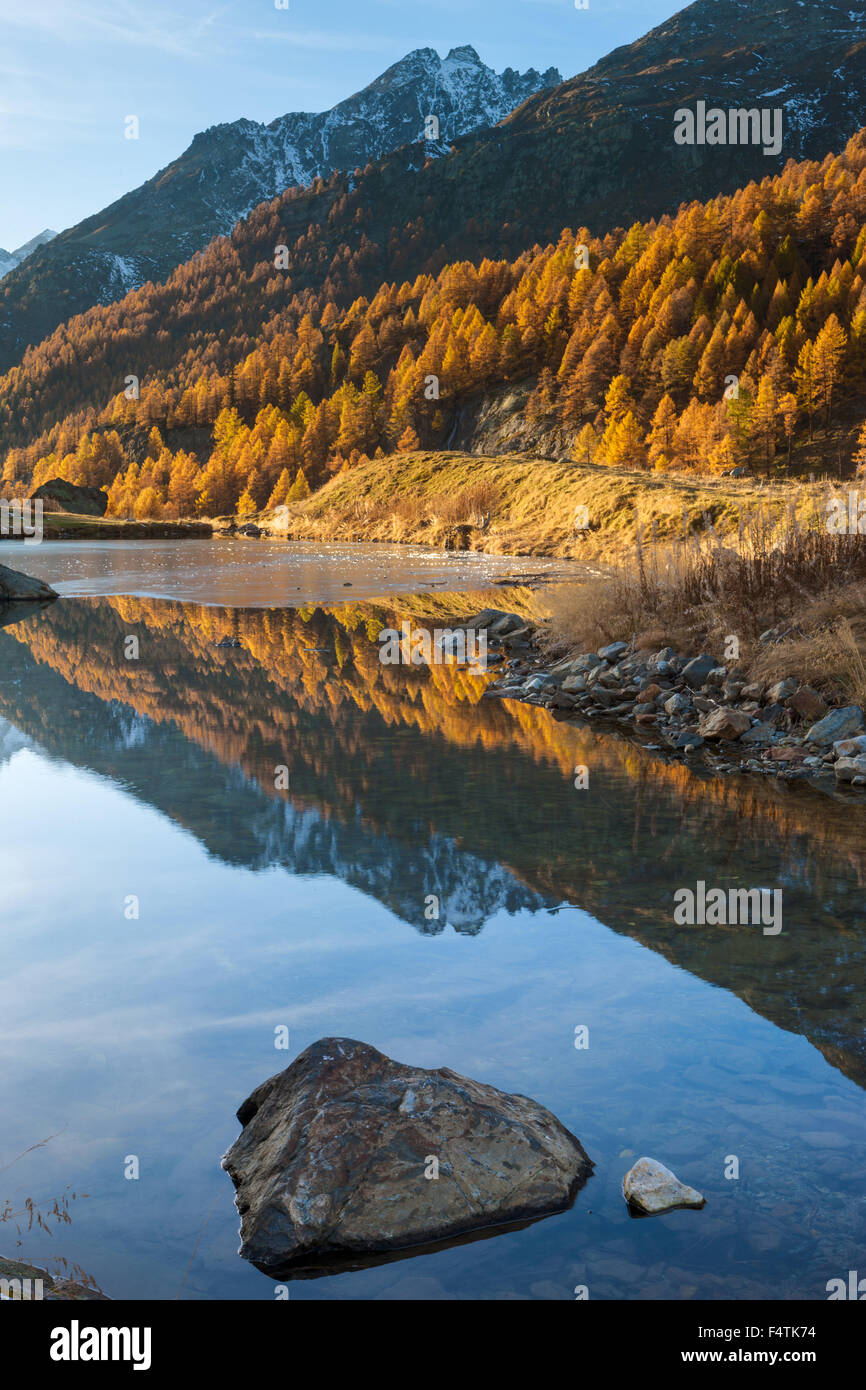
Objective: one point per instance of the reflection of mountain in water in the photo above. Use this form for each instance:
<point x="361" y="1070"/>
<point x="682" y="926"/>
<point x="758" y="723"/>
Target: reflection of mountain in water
<point x="404" y="784"/>
<point x="242" y="824"/>
<point x="11" y="741"/>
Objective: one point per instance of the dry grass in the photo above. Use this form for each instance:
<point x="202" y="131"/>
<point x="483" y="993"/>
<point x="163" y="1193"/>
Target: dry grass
<point x="779" y="573"/>
<point x="671" y="559"/>
<point x="473" y="505"/>
<point x="30" y="1213"/>
<point x="532" y="504"/>
<point x="47" y="1216"/>
<point x="831" y="655"/>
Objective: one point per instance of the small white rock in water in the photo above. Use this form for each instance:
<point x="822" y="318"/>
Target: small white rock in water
<point x="651" y="1187"/>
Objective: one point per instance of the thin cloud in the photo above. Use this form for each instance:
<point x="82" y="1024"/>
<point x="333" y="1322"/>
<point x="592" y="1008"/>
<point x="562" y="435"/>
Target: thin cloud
<point x="129" y="24"/>
<point x="323" y="41"/>
<point x="119" y="23"/>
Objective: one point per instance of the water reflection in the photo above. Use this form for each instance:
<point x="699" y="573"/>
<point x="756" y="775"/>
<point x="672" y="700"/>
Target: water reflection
<point x="198" y="731"/>
<point x="405" y="784"/>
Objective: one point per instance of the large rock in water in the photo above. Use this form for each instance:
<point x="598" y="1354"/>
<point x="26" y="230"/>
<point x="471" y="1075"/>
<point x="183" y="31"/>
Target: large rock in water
<point x="58" y="495"/>
<point x="15" y="587"/>
<point x="335" y="1153"/>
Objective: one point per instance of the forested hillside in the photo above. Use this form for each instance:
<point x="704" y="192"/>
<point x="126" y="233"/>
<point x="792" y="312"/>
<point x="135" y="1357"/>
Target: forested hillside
<point x="597" y="150"/>
<point x="633" y="355"/>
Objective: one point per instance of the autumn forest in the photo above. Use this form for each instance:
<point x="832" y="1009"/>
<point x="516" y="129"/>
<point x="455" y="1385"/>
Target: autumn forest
<point x="719" y="337"/>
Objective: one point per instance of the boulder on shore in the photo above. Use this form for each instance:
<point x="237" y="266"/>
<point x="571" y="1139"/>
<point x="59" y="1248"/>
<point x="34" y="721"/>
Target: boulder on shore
<point x="695" y="672"/>
<point x="724" y="723"/>
<point x="849" y="769"/>
<point x="838" y="724"/>
<point x="58" y="495"/>
<point x="348" y="1154"/>
<point x="15" y="587"/>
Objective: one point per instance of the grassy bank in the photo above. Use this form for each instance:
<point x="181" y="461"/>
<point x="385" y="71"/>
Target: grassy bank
<point x="68" y="526"/>
<point x="516" y="505"/>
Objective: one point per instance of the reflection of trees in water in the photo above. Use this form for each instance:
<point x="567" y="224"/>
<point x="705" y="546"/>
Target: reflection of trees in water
<point x="404" y="782"/>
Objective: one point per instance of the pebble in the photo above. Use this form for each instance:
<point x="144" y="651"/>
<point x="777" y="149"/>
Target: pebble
<point x="652" y="1188"/>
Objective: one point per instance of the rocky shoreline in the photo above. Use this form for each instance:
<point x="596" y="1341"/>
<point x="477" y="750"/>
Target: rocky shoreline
<point x="692" y="708"/>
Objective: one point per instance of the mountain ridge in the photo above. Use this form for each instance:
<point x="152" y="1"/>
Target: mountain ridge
<point x="498" y="192"/>
<point x="597" y="149"/>
<point x="230" y="168"/>
<point x="10" y="259"/>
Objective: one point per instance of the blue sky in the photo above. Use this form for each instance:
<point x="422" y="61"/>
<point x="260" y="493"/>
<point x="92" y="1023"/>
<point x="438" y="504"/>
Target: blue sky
<point x="72" y="70"/>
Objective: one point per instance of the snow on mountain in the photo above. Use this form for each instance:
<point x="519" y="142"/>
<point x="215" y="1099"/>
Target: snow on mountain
<point x="229" y="169"/>
<point x="9" y="259"/>
<point x="460" y="92"/>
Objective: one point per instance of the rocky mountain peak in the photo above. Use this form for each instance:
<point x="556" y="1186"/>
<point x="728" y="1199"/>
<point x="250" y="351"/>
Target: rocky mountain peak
<point x="229" y="168"/>
<point x="10" y="259"/>
<point x="598" y="149"/>
<point x="464" y="53"/>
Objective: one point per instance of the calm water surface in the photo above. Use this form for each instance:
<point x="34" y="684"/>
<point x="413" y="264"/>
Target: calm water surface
<point x="261" y="573"/>
<point x="306" y="908"/>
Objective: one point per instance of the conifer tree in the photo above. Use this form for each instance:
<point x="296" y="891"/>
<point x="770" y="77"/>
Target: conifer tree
<point x="300" y="488"/>
<point x="408" y="441"/>
<point x="281" y="489"/>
